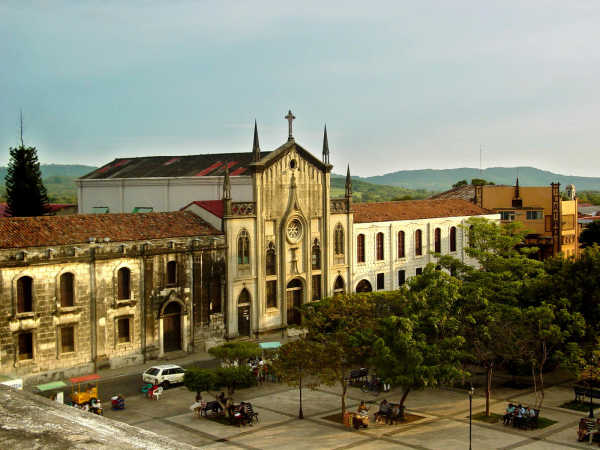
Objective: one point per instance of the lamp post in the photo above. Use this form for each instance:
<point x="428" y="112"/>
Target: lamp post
<point x="471" y="392"/>
<point x="590" y="380"/>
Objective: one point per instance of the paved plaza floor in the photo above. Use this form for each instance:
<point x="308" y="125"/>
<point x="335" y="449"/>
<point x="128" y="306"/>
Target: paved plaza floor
<point x="444" y="423"/>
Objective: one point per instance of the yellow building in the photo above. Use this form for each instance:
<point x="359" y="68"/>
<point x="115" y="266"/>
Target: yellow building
<point x="550" y="219"/>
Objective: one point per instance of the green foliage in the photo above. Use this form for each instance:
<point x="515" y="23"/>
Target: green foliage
<point x="460" y="183"/>
<point x="480" y="182"/>
<point x="25" y="192"/>
<point x="418" y="340"/>
<point x="233" y="378"/>
<point x="235" y="352"/>
<point x="369" y="192"/>
<point x="590" y="234"/>
<point x="199" y="380"/>
<point x="592" y="197"/>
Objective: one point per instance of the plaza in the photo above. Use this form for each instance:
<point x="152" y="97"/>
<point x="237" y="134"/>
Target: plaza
<point x="444" y="422"/>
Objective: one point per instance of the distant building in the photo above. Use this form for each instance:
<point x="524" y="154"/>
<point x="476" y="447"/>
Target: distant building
<point x="550" y="220"/>
<point x="54" y="209"/>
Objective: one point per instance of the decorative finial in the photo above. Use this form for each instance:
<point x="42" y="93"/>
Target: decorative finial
<point x="226" y="184"/>
<point x="255" y="144"/>
<point x="290" y="117"/>
<point x="325" y="147"/>
<point x="517" y="193"/>
<point x="348" y="183"/>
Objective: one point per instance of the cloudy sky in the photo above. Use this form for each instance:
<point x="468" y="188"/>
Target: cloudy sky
<point x="401" y="85"/>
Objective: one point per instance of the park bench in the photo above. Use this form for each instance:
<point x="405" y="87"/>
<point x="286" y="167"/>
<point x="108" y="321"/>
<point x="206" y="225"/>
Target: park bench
<point x="582" y="391"/>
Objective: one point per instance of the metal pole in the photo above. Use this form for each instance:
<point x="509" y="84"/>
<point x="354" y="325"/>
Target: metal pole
<point x="591" y="415"/>
<point x="470" y="414"/>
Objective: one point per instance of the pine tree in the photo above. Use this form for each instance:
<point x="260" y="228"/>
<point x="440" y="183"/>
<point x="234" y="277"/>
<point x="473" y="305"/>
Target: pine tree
<point x="25" y="192"/>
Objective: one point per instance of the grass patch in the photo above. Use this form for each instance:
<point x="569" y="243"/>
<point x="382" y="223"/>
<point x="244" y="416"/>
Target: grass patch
<point x="544" y="422"/>
<point x="579" y="406"/>
<point x="492" y="418"/>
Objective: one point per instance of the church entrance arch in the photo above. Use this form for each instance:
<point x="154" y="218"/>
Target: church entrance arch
<point x="295" y="292"/>
<point x="364" y="286"/>
<point x="171" y="325"/>
<point x="339" y="287"/>
<point x="244" y="313"/>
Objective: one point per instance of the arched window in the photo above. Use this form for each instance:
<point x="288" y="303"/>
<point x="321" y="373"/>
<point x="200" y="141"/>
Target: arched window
<point x="171" y="273"/>
<point x="66" y="289"/>
<point x="339" y="286"/>
<point x="453" y="239"/>
<point x="339" y="240"/>
<point x="124" y="284"/>
<point x="364" y="286"/>
<point x="271" y="260"/>
<point x="316" y="255"/>
<point x="25" y="294"/>
<point x="244" y="248"/>
<point x="418" y="243"/>
<point x="244" y="297"/>
<point x="379" y="246"/>
<point x="437" y="240"/>
<point x="401" y="253"/>
<point x="360" y="248"/>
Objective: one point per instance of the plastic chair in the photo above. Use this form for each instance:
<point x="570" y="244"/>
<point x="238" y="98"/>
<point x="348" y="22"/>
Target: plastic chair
<point x="157" y="393"/>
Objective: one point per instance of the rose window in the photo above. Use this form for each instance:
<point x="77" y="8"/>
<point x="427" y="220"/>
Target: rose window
<point x="294" y="230"/>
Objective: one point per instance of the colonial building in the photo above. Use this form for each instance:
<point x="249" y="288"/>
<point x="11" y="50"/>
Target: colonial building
<point x="245" y="240"/>
<point x="549" y="217"/>
<point x="83" y="292"/>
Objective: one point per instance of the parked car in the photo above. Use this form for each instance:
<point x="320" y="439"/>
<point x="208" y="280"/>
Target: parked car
<point x="164" y="375"/>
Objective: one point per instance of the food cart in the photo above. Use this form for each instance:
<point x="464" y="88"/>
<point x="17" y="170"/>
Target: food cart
<point x="45" y="388"/>
<point x="79" y="397"/>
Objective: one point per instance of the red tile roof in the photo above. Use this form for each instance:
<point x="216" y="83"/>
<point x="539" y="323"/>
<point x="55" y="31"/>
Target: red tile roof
<point x="213" y="206"/>
<point x="414" y="209"/>
<point x="21" y="232"/>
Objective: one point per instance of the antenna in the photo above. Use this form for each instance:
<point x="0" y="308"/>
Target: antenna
<point x="480" y="158"/>
<point x="21" y="126"/>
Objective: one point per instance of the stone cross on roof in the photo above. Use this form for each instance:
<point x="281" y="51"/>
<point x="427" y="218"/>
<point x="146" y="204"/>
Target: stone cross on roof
<point x="290" y="117"/>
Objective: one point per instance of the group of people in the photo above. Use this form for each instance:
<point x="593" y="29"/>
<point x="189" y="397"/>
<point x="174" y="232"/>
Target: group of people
<point x="388" y="412"/>
<point x="588" y="430"/>
<point x="519" y="415"/>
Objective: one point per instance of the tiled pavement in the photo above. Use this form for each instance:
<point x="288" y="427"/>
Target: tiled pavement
<point x="445" y="421"/>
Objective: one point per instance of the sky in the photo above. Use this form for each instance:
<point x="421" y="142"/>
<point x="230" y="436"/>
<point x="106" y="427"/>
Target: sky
<point x="401" y="84"/>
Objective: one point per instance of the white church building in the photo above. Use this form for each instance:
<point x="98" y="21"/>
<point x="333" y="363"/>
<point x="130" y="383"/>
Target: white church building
<point x="287" y="241"/>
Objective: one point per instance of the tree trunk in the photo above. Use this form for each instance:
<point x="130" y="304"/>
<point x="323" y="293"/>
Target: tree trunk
<point x="344" y="389"/>
<point x="402" y="407"/>
<point x="300" y="414"/>
<point x="488" y="389"/>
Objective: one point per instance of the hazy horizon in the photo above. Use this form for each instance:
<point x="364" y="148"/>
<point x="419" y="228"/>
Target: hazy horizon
<point x="401" y="86"/>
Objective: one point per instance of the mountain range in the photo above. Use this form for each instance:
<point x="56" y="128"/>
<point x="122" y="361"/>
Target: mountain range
<point x="441" y="180"/>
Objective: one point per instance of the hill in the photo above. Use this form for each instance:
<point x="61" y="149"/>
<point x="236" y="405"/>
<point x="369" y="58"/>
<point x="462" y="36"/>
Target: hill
<point x="441" y="180"/>
<point x="363" y="191"/>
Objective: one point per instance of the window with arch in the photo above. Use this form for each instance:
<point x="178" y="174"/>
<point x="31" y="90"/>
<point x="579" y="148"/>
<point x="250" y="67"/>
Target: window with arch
<point x="339" y="286"/>
<point x="339" y="240"/>
<point x="316" y="255"/>
<point x="171" y="273"/>
<point x="437" y="240"/>
<point x="243" y="248"/>
<point x="379" y="246"/>
<point x="244" y="297"/>
<point x="453" y="239"/>
<point x="418" y="243"/>
<point x="123" y="284"/>
<point x="67" y="291"/>
<point x="25" y="294"/>
<point x="360" y="248"/>
<point x="271" y="260"/>
<point x="401" y="245"/>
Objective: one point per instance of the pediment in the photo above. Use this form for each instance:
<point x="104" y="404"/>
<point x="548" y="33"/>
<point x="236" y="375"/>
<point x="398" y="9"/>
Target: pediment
<point x="279" y="153"/>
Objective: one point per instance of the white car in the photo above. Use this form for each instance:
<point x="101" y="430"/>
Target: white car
<point x="164" y="375"/>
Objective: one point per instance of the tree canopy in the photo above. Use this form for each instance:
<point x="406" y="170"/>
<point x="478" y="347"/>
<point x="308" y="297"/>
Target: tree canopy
<point x="25" y="191"/>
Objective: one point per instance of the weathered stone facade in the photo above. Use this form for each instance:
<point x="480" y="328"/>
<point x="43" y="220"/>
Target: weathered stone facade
<point x="129" y="302"/>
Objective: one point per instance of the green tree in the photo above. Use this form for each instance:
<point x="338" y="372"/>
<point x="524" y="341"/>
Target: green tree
<point x="199" y="380"/>
<point x="460" y="183"/>
<point x="25" y="191"/>
<point x="418" y="340"/>
<point x="342" y="327"/>
<point x="296" y="365"/>
<point x="480" y="182"/>
<point x="234" y="378"/>
<point x="232" y="353"/>
<point x="590" y="234"/>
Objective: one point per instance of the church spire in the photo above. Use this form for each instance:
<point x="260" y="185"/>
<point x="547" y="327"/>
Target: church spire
<point x="348" y="183"/>
<point x="325" y="147"/>
<point x="517" y="193"/>
<point x="226" y="184"/>
<point x="255" y="144"/>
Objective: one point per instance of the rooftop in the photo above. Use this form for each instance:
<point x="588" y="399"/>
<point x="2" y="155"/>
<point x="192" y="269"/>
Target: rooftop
<point x="414" y="209"/>
<point x="43" y="231"/>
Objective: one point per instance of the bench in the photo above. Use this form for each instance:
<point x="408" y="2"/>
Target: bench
<point x="582" y="391"/>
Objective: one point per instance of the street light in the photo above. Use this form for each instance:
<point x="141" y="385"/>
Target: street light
<point x="471" y="392"/>
<point x="590" y="383"/>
